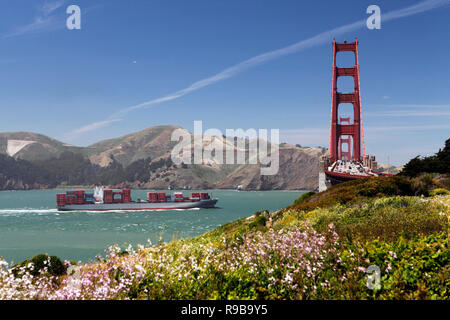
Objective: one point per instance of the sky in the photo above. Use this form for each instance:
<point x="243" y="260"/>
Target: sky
<point x="232" y="64"/>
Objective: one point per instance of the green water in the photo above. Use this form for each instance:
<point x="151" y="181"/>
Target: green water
<point x="30" y="224"/>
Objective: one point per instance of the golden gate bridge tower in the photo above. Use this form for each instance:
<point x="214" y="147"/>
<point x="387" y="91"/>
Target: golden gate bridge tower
<point x="339" y="130"/>
<point x="343" y="165"/>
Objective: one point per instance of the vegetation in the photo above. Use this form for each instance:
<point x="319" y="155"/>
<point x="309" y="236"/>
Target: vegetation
<point x="439" y="163"/>
<point x="369" y="188"/>
<point x="385" y="218"/>
<point x="42" y="264"/>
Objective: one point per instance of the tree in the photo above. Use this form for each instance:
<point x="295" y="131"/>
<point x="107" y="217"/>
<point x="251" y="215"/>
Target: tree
<point x="438" y="163"/>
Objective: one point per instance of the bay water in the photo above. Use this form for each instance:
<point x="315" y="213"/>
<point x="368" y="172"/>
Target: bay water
<point x="30" y="223"/>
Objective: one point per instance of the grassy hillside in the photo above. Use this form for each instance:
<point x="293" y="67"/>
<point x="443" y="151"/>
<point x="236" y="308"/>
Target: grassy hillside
<point x="319" y="248"/>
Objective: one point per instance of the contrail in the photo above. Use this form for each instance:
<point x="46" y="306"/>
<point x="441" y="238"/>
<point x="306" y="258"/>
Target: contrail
<point x="321" y="38"/>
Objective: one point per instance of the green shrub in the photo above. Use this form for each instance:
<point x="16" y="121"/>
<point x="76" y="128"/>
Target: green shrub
<point x="439" y="191"/>
<point x="422" y="184"/>
<point x="258" y="222"/>
<point x="55" y="267"/>
<point x="438" y="163"/>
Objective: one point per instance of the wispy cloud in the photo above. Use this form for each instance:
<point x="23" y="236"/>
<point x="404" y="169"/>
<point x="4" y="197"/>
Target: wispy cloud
<point x="49" y="7"/>
<point x="45" y="20"/>
<point x="95" y="125"/>
<point x="319" y="39"/>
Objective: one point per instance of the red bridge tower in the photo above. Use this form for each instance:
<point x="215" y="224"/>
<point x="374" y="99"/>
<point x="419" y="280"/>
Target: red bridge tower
<point x="349" y="132"/>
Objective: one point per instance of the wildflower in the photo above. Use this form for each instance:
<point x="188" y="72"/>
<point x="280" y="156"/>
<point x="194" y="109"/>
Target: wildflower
<point x="288" y="278"/>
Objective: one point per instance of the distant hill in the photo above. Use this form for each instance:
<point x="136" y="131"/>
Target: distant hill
<point x="152" y="143"/>
<point x="141" y="160"/>
<point x="388" y="168"/>
<point x="33" y="146"/>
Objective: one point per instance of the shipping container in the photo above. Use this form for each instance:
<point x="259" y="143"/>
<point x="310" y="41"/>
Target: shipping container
<point x="152" y="197"/>
<point x="108" y="196"/>
<point x="178" y="197"/>
<point x="162" y="197"/>
<point x="61" y="199"/>
<point x="195" y="196"/>
<point x="204" y="195"/>
<point x="70" y="199"/>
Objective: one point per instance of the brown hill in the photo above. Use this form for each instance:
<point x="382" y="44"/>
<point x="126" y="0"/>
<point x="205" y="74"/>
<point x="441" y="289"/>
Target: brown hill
<point x="152" y="142"/>
<point x="298" y="166"/>
<point x="33" y="146"/>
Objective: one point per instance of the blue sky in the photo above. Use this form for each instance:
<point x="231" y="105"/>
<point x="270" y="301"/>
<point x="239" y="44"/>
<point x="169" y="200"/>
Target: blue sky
<point x="74" y="85"/>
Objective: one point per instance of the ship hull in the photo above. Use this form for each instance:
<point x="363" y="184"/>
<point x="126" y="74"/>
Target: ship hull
<point x="139" y="206"/>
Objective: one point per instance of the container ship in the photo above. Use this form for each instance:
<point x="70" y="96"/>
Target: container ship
<point x="120" y="200"/>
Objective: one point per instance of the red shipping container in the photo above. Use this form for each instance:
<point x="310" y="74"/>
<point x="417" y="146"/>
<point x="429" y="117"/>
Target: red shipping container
<point x="195" y="196"/>
<point x="126" y="198"/>
<point x="178" y="197"/>
<point x="79" y="195"/>
<point x="161" y="197"/>
<point x="152" y="197"/>
<point x="108" y="196"/>
<point x="61" y="199"/>
<point x="70" y="199"/>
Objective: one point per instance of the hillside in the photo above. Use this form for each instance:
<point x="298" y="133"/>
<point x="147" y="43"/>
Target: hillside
<point x="33" y="146"/>
<point x="142" y="160"/>
<point x="151" y="143"/>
